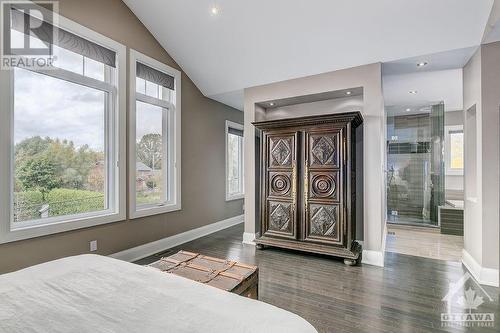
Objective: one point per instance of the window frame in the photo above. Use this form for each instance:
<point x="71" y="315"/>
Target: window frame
<point x="173" y="178"/>
<point x="240" y="195"/>
<point x="447" y="150"/>
<point x="115" y="138"/>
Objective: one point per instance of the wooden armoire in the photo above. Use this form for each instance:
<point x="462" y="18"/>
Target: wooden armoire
<point x="308" y="185"/>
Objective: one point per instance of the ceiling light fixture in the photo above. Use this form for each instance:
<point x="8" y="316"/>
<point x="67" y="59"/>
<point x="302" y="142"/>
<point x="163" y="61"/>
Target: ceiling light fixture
<point x="214" y="10"/>
<point x="348" y="92"/>
<point x="413" y="92"/>
<point x="271" y="104"/>
<point x="422" y="64"/>
<point x="408" y="110"/>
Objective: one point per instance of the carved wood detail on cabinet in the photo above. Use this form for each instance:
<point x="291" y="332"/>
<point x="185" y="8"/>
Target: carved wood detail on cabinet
<point x="280" y="215"/>
<point x="281" y="151"/>
<point x="307" y="184"/>
<point x="324" y="150"/>
<point x="323" y="186"/>
<point x="323" y="221"/>
<point x="280" y="184"/>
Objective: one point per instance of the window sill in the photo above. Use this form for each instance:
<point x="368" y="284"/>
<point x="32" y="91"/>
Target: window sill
<point x="235" y="197"/>
<point x="79" y="222"/>
<point x="154" y="210"/>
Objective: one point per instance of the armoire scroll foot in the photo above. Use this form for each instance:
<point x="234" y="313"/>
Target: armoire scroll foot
<point x="308" y="184"/>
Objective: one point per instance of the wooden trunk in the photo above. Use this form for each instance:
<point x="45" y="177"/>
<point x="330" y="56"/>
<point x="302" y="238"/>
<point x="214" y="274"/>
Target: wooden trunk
<point x="228" y="275"/>
<point x="308" y="184"/>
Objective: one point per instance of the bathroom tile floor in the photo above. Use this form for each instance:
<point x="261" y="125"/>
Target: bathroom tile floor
<point x="423" y="242"/>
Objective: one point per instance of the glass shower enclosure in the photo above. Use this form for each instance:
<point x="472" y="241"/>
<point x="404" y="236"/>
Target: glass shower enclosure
<point x="415" y="164"/>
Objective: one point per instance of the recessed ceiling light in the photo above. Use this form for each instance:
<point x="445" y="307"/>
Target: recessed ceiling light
<point x="413" y="92"/>
<point x="348" y="92"/>
<point x="408" y="110"/>
<point x="422" y="64"/>
<point x="271" y="104"/>
<point x="214" y="10"/>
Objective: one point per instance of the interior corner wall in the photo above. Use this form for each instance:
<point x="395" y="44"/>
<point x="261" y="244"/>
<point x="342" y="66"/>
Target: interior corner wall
<point x="482" y="186"/>
<point x="370" y="78"/>
<point x="490" y="88"/>
<point x="472" y="148"/>
<point x="454" y="118"/>
<point x="203" y="156"/>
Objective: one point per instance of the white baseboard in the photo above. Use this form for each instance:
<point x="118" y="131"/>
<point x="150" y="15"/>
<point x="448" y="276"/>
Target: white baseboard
<point x="375" y="258"/>
<point x="483" y="275"/>
<point x="148" y="249"/>
<point x="248" y="237"/>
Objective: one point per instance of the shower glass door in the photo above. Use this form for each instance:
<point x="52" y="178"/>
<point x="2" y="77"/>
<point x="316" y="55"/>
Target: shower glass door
<point x="415" y="164"/>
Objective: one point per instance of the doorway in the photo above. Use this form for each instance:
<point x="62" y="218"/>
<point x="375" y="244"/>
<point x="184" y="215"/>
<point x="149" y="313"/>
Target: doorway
<point x="424" y="155"/>
<point x="422" y="220"/>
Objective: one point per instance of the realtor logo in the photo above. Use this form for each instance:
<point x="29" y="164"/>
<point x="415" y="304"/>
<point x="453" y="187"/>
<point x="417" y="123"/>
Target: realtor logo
<point x="28" y="31"/>
<point x="467" y="295"/>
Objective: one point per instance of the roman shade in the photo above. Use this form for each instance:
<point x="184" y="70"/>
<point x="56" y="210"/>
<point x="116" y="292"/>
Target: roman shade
<point x="45" y="31"/>
<point x="235" y="131"/>
<point x="153" y="75"/>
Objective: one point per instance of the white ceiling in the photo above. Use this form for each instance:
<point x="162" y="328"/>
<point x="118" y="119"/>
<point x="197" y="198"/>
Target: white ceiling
<point x="256" y="42"/>
<point x="432" y="87"/>
<point x="435" y="62"/>
<point x="439" y="81"/>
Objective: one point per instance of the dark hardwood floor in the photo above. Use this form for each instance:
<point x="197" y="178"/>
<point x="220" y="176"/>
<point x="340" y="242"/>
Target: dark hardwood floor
<point x="404" y="296"/>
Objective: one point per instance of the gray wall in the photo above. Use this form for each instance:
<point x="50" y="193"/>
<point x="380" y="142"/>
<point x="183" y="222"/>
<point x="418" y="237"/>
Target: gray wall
<point x="481" y="218"/>
<point x="490" y="113"/>
<point x="203" y="166"/>
<point x="472" y="211"/>
<point x="452" y="118"/>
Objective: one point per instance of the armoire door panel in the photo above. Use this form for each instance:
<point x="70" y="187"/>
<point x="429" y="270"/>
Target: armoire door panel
<point x="281" y="219"/>
<point x="324" y="185"/>
<point x="281" y="151"/>
<point x="323" y="149"/>
<point x="323" y="223"/>
<point x="280" y="211"/>
<point x="323" y="218"/>
<point x="280" y="184"/>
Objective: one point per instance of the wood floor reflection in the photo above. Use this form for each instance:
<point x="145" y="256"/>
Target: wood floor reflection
<point x="404" y="296"/>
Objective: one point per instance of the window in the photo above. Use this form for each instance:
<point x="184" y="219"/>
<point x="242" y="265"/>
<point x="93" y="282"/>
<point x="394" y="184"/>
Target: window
<point x="454" y="150"/>
<point x="64" y="130"/>
<point x="155" y="142"/>
<point x="234" y="161"/>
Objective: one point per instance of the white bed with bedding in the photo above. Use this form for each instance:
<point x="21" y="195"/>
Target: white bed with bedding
<point x="90" y="293"/>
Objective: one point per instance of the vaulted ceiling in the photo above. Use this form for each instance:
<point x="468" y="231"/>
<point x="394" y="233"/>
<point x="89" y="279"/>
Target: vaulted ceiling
<point x="254" y="42"/>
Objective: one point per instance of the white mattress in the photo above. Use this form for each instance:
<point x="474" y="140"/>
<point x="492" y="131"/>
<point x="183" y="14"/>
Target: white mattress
<point x="91" y="293"/>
